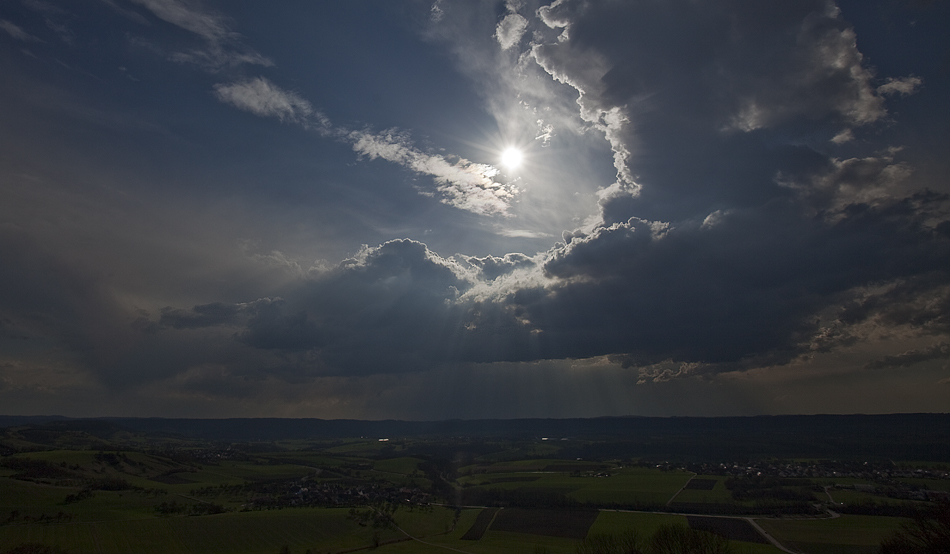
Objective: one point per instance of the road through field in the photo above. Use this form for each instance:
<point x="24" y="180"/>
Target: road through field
<point x="765" y="534"/>
<point x="770" y="538"/>
<point x="670" y="501"/>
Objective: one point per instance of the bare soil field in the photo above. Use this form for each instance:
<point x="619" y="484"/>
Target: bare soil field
<point x="732" y="528"/>
<point x="569" y="524"/>
<point x="701" y="484"/>
<point x="481" y="524"/>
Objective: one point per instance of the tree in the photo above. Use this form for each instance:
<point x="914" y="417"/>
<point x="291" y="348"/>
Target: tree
<point x="34" y="548"/>
<point x="927" y="533"/>
<point x="624" y="543"/>
<point x="679" y="539"/>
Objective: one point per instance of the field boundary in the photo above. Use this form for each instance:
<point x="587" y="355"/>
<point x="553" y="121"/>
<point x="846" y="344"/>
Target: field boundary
<point x="771" y="539"/>
<point x="759" y="528"/>
<point x="670" y="501"/>
<point x="410" y="537"/>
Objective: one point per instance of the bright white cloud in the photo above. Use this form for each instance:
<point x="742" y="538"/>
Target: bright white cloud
<point x="463" y="184"/>
<point x="510" y="30"/>
<point x="903" y="86"/>
<point x="585" y="74"/>
<point x="846" y="135"/>
<point x="435" y="12"/>
<point x="523" y="233"/>
<point x="262" y="97"/>
<point x="550" y="16"/>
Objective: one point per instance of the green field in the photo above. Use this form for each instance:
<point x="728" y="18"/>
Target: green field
<point x="718" y="495"/>
<point x="847" y="534"/>
<point x="404" y="466"/>
<point x="639" y="486"/>
<point x="117" y="501"/>
<point x="930" y="484"/>
<point x="249" y="532"/>
<point x="645" y="524"/>
<point x="636" y="485"/>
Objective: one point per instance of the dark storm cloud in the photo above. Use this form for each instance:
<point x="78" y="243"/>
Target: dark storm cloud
<point x="919" y="301"/>
<point x="57" y="304"/>
<point x="205" y="315"/>
<point x="731" y="64"/>
<point x="743" y="291"/>
<point x="711" y="99"/>
<point x="391" y="308"/>
<point x="732" y="193"/>
<point x="738" y="231"/>
<point x="911" y="357"/>
<point x="745" y="286"/>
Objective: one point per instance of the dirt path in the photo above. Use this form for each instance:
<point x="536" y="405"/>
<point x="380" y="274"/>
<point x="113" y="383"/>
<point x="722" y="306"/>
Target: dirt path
<point x="431" y="544"/>
<point x="670" y="501"/>
<point x="770" y="538"/>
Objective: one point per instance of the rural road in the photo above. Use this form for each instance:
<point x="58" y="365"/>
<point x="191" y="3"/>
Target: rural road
<point x="770" y="538"/>
<point x="755" y="525"/>
<point x="670" y="501"/>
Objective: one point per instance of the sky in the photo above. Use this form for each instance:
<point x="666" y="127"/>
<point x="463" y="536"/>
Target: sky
<point x="311" y="209"/>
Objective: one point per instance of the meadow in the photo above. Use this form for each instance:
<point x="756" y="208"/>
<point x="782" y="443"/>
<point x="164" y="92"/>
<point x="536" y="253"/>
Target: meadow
<point x="360" y="494"/>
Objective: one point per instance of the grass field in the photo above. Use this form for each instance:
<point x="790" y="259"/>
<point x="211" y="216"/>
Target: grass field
<point x="930" y="484"/>
<point x="235" y="533"/>
<point x="631" y="485"/>
<point x="719" y="494"/>
<point x="609" y="522"/>
<point x="111" y="521"/>
<point x="849" y="496"/>
<point x="502" y="542"/>
<point x="404" y="466"/>
<point x="477" y="528"/>
<point x="624" y="486"/>
<point x="847" y="534"/>
<point x="571" y="524"/>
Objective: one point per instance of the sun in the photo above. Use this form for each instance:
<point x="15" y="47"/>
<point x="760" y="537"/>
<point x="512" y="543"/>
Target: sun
<point x="511" y="158"/>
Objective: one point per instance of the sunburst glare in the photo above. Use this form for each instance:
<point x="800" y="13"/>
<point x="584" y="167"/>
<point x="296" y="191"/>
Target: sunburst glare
<point x="511" y="158"/>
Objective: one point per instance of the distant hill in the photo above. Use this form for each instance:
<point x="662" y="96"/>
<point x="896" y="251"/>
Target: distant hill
<point x="898" y="436"/>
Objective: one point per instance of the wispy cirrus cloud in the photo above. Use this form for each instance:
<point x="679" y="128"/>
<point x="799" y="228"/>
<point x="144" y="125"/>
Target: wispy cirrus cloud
<point x="207" y="25"/>
<point x="460" y="183"/>
<point x="223" y="46"/>
<point x="16" y="32"/>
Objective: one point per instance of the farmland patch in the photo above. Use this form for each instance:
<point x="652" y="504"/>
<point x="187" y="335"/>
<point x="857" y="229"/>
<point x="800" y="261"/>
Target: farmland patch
<point x="517" y="479"/>
<point x="481" y="524"/>
<point x="569" y="524"/>
<point x="172" y="479"/>
<point x="732" y="528"/>
<point x="846" y="534"/>
<point x="701" y="484"/>
<point x="572" y="466"/>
